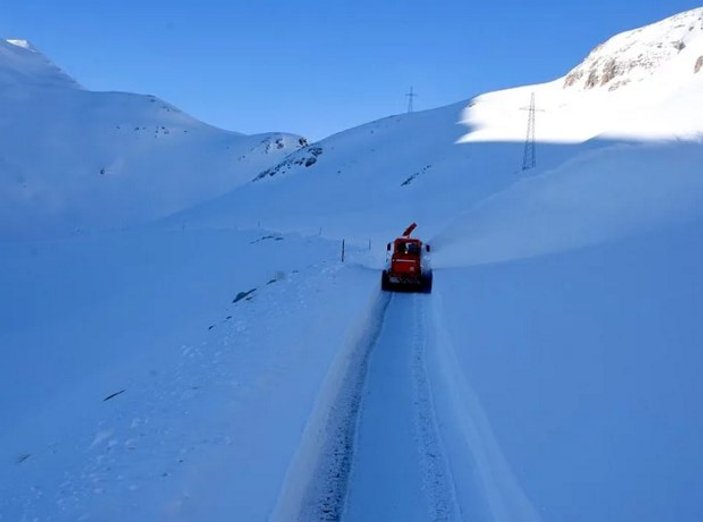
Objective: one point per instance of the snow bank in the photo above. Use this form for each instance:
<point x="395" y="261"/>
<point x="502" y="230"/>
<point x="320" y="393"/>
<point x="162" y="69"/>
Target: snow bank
<point x="486" y="486"/>
<point x="598" y="196"/>
<point x="154" y="376"/>
<point x="319" y="469"/>
<point x="580" y="370"/>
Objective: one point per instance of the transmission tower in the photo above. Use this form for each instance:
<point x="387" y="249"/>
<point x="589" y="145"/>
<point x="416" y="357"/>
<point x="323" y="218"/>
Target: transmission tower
<point x="410" y="96"/>
<point x="529" y="160"/>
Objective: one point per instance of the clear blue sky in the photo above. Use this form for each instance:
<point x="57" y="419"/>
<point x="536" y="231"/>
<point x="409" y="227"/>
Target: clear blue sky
<point x="317" y="67"/>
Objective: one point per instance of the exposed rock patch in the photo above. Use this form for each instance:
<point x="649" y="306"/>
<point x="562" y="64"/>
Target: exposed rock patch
<point x="306" y="157"/>
<point x="699" y="64"/>
<point x="635" y="55"/>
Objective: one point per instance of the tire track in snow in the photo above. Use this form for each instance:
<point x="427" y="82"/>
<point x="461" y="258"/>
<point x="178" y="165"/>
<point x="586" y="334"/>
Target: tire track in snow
<point x="399" y="471"/>
<point x="330" y="494"/>
<point x="438" y="481"/>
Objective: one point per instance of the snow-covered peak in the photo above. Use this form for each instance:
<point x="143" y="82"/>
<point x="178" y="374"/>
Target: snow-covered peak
<point x="72" y="159"/>
<point x="24" y="44"/>
<point x="639" y="84"/>
<point x="23" y="66"/>
<point x="635" y="55"/>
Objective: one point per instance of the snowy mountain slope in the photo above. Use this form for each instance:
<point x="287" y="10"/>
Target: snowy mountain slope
<point x="570" y="114"/>
<point x="433" y="165"/>
<point x="387" y="169"/>
<point x="633" y="56"/>
<point x="22" y="66"/>
<point x="148" y="382"/>
<point x="72" y="159"/>
<point x="370" y="182"/>
<point x="611" y="193"/>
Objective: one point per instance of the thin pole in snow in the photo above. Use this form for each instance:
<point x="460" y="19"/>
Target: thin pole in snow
<point x="342" y="251"/>
<point x="410" y="96"/>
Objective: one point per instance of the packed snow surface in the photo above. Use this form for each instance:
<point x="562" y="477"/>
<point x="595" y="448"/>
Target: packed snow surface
<point x="224" y="363"/>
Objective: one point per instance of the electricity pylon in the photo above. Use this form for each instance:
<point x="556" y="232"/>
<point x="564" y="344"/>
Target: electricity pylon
<point x="529" y="159"/>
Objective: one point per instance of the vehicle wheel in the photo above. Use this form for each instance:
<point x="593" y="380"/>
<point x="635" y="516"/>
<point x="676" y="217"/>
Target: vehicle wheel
<point x="385" y="284"/>
<point x="427" y="284"/>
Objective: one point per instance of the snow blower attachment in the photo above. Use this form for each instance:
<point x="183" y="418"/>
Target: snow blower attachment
<point x="408" y="267"/>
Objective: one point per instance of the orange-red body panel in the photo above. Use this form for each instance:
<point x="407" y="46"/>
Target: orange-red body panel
<point x="406" y="260"/>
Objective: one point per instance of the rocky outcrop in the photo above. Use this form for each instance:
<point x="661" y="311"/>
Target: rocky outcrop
<point x="636" y="55"/>
<point x="307" y="157"/>
<point x="699" y="65"/>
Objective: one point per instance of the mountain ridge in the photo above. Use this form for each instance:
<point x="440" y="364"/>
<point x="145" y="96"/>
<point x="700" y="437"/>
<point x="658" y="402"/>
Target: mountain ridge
<point x="74" y="160"/>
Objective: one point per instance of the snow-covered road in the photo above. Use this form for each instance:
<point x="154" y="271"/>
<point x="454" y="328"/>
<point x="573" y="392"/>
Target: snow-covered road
<point x="403" y="436"/>
<point x="398" y="470"/>
<point x="374" y="437"/>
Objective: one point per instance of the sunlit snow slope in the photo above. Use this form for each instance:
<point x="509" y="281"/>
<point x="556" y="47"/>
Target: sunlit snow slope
<point x="73" y="160"/>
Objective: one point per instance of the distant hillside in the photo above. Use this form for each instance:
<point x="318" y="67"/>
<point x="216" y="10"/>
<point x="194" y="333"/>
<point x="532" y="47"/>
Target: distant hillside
<point x="73" y="160"/>
<point x="430" y="166"/>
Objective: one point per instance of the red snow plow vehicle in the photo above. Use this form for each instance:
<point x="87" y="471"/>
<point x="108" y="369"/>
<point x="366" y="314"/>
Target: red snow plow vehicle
<point x="408" y="267"/>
